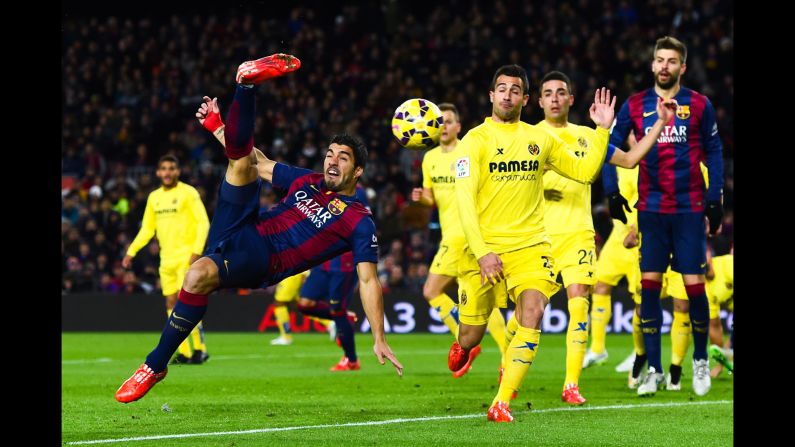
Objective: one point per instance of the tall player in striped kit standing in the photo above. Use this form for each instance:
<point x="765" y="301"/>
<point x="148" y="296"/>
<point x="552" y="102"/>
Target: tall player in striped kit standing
<point x="672" y="204"/>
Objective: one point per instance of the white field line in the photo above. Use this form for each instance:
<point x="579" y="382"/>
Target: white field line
<point x="396" y="421"/>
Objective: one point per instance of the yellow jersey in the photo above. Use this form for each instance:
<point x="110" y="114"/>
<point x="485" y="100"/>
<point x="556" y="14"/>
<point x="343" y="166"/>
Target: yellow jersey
<point x="178" y="218"/>
<point x="438" y="175"/>
<point x="572" y="213"/>
<point x="499" y="187"/>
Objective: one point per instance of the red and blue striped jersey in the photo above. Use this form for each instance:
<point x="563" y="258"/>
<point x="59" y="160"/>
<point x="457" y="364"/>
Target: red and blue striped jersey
<point x="313" y="224"/>
<point x="670" y="179"/>
<point x="344" y="262"/>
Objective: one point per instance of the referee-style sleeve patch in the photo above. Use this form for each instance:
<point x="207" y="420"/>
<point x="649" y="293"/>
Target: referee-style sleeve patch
<point x="462" y="167"/>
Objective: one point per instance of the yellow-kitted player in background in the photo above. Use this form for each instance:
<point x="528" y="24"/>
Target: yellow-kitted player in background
<point x="176" y="215"/>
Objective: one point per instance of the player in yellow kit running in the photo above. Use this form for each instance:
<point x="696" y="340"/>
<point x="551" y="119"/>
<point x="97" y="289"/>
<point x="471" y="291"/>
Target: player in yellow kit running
<point x="438" y="188"/>
<point x="568" y="219"/>
<point x="176" y="215"/>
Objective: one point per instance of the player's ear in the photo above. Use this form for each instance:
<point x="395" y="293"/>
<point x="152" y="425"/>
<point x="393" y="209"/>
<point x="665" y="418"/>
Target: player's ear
<point x="357" y="172"/>
<point x="526" y="98"/>
<point x="684" y="69"/>
<point x="571" y="100"/>
<point x="491" y="96"/>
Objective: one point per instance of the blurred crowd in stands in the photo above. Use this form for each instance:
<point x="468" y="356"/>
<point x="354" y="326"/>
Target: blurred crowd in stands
<point x="131" y="86"/>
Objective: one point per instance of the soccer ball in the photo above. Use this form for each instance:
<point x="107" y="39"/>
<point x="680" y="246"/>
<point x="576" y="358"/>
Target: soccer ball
<point x="417" y="124"/>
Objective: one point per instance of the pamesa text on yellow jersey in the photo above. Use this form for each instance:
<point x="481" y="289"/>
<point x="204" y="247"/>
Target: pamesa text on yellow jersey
<point x="499" y="181"/>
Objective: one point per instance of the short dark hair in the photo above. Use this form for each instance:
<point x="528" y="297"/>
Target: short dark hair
<point x="671" y="43"/>
<point x="511" y="70"/>
<point x="555" y="76"/>
<point x="449" y="107"/>
<point x="359" y="149"/>
<point x="168" y="157"/>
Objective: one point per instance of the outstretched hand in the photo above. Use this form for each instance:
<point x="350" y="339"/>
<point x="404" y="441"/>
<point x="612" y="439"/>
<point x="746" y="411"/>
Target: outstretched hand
<point x="381" y="350"/>
<point x="209" y="115"/>
<point x="603" y="109"/>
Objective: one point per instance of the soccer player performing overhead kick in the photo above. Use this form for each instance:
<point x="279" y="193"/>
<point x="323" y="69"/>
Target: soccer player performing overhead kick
<point x="318" y="219"/>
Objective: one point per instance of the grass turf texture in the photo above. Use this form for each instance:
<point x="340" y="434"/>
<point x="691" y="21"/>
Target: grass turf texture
<point x="249" y="385"/>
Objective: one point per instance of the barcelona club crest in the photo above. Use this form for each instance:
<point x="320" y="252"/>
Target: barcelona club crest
<point x="337" y="206"/>
<point x="683" y="112"/>
<point x="533" y="149"/>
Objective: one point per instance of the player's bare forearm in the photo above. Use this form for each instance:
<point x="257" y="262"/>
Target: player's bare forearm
<point x="423" y="196"/>
<point x="373" y="304"/>
<point x="630" y="159"/>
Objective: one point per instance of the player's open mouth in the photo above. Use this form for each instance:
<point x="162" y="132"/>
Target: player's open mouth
<point x="334" y="172"/>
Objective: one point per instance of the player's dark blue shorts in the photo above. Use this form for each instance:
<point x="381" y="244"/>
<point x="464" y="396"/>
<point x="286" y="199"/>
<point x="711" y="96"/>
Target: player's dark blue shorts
<point x="332" y="286"/>
<point x="233" y="243"/>
<point x="683" y="235"/>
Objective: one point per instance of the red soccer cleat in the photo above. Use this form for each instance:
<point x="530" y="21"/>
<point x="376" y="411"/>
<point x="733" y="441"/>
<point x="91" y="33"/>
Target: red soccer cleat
<point x="139" y="384"/>
<point x="571" y="395"/>
<point x="457" y="357"/>
<point x="473" y="353"/>
<point x="499" y="381"/>
<point x="346" y="365"/>
<point x="262" y="69"/>
<point x="500" y="412"/>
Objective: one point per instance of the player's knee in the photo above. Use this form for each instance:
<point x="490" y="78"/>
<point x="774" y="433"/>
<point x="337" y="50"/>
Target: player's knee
<point x="202" y="277"/>
<point x="681" y="305"/>
<point x="531" y="316"/>
<point x="305" y="304"/>
<point x="429" y="292"/>
<point x="602" y="288"/>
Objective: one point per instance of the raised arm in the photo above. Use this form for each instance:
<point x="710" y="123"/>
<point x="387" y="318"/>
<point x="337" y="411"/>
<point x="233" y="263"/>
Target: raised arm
<point x="209" y="116"/>
<point x="373" y="303"/>
<point x="586" y="169"/>
<point x="665" y="112"/>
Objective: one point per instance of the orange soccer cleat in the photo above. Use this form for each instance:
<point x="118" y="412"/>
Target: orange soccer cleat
<point x="139" y="384"/>
<point x="571" y="395"/>
<point x="499" y="412"/>
<point x="473" y="353"/>
<point x="345" y="364"/>
<point x="262" y="69"/>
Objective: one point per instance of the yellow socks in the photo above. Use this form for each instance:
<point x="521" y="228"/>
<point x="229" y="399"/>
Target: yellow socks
<point x="324" y="321"/>
<point x="680" y="337"/>
<point x="197" y="337"/>
<point x="576" y="338"/>
<point x="282" y="320"/>
<point x="496" y="327"/>
<point x="519" y="356"/>
<point x="601" y="312"/>
<point x="445" y="306"/>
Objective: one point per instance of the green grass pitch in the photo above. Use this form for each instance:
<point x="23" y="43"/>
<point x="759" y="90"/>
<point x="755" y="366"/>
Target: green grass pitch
<point x="252" y="394"/>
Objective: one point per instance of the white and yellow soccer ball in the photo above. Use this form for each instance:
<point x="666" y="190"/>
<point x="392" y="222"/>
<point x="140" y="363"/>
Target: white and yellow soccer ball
<point x="417" y="124"/>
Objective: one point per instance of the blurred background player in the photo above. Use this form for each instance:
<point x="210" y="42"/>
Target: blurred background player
<point x="438" y="188"/>
<point x="619" y="258"/>
<point x="673" y="202"/>
<point x="326" y="294"/>
<point x="176" y="215"/>
<point x="499" y="192"/>
<point x="287" y="291"/>
<point x="720" y="291"/>
<point x="568" y="220"/>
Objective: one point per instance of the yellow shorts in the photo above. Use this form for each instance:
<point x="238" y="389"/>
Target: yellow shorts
<point x="172" y="275"/>
<point x="289" y="288"/>
<point x="574" y="255"/>
<point x="720" y="290"/>
<point x="673" y="285"/>
<point x="615" y="262"/>
<point x="527" y="268"/>
<point x="447" y="257"/>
